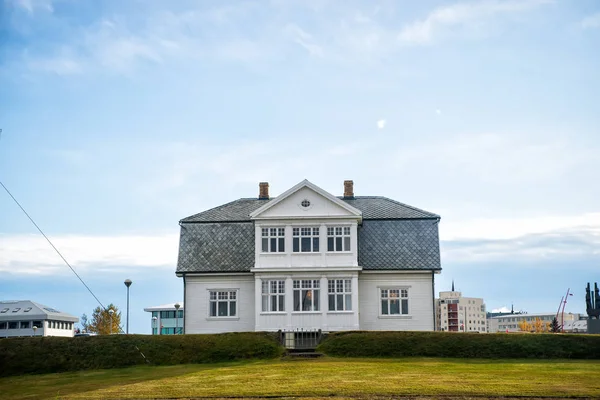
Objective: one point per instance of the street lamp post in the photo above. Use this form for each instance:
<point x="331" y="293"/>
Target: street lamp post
<point x="154" y="326"/>
<point x="34" y="329"/>
<point x="111" y="312"/>
<point x="127" y="283"/>
<point x="177" y="306"/>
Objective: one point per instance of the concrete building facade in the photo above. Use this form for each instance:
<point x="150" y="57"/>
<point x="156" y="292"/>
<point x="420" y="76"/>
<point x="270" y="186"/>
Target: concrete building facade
<point x="455" y="313"/>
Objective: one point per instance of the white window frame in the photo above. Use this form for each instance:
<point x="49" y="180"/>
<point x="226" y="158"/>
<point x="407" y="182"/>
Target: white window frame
<point x="312" y="233"/>
<point x="340" y="239"/>
<point x="219" y="298"/>
<point x="339" y="295"/>
<point x="273" y="296"/>
<point x="394" y="293"/>
<point x="272" y="240"/>
<point x="306" y="289"/>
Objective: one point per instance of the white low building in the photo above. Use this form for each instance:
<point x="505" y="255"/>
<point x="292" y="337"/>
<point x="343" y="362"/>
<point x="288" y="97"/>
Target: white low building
<point x="166" y="319"/>
<point x="28" y="318"/>
<point x="510" y="322"/>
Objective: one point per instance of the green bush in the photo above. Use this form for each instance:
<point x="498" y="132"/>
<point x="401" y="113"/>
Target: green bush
<point x="460" y="345"/>
<point x="56" y="354"/>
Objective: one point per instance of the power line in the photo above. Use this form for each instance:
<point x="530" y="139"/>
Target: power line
<point x="51" y="244"/>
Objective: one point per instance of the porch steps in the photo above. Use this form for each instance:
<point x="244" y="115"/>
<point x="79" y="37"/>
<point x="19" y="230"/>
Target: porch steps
<point x="301" y="354"/>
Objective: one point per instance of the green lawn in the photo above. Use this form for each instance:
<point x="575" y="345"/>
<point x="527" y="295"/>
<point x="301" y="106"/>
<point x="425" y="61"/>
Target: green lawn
<point x="349" y="378"/>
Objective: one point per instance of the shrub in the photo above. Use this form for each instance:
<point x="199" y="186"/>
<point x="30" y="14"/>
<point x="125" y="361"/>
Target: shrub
<point x="460" y="345"/>
<point x="56" y="354"/>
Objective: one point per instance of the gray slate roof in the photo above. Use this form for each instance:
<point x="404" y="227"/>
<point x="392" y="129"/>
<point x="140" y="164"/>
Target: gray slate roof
<point x="372" y="207"/>
<point x="393" y="236"/>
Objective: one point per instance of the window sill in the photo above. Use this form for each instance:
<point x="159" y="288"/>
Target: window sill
<point x="338" y="252"/>
<point x="306" y="312"/>
<point x="341" y="312"/>
<point x="274" y="253"/>
<point x="395" y="316"/>
<point x="306" y="253"/>
<point x="222" y="318"/>
<point x="273" y="313"/>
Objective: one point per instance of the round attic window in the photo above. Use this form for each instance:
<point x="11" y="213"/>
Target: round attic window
<point x="305" y="203"/>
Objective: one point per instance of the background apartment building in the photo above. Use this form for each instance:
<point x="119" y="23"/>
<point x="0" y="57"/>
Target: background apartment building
<point x="510" y="322"/>
<point x="455" y="313"/>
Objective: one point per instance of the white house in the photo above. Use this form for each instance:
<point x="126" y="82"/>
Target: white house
<point x="166" y="319"/>
<point x="27" y="318"/>
<point x="309" y="260"/>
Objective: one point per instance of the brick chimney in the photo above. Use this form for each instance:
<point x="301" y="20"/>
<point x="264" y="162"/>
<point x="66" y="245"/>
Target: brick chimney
<point x="263" y="191"/>
<point x="348" y="190"/>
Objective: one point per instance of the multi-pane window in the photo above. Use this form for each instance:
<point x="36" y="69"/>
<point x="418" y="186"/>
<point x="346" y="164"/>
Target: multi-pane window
<point x="273" y="240"/>
<point x="167" y="314"/>
<point x="305" y="240"/>
<point x="340" y="294"/>
<point x="394" y="301"/>
<point x="273" y="296"/>
<point x="38" y="324"/>
<point x="3" y="325"/>
<point x="306" y="295"/>
<point x="223" y="303"/>
<point x="338" y="238"/>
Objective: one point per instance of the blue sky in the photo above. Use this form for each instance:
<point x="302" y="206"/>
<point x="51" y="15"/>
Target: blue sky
<point x="120" y="118"/>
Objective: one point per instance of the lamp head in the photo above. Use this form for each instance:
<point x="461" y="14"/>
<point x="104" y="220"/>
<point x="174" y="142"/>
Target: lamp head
<point x="128" y="282"/>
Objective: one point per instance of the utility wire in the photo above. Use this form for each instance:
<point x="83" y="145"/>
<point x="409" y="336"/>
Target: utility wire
<point x="65" y="260"/>
<point x="51" y="244"/>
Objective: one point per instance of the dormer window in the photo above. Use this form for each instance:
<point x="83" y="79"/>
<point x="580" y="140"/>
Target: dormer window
<point x="338" y="238"/>
<point x="273" y="240"/>
<point x="306" y="239"/>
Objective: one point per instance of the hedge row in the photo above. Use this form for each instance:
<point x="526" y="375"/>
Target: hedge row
<point x="460" y="345"/>
<point x="56" y="354"/>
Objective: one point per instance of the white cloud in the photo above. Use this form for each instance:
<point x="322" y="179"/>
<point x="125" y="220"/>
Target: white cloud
<point x="460" y="15"/>
<point x="32" y="5"/>
<point x="304" y="39"/>
<point x="499" y="158"/>
<point x="591" y="21"/>
<point x="512" y="228"/>
<point x="32" y="255"/>
<point x="501" y="310"/>
<point x="381" y="123"/>
<point x="56" y="65"/>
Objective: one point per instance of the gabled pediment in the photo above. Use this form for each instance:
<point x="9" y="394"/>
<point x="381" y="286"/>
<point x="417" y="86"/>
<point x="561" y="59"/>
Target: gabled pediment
<point x="306" y="200"/>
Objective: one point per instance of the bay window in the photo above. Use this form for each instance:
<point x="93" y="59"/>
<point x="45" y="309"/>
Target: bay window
<point x="273" y="240"/>
<point x="340" y="294"/>
<point x="305" y="240"/>
<point x="338" y="238"/>
<point x="306" y="295"/>
<point x="273" y="296"/>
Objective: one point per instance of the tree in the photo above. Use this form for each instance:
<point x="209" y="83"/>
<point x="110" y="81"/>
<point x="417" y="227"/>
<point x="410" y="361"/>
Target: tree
<point x="540" y="326"/>
<point x="101" y="320"/>
<point x="554" y="326"/>
<point x="525" y="326"/>
<point x="83" y="321"/>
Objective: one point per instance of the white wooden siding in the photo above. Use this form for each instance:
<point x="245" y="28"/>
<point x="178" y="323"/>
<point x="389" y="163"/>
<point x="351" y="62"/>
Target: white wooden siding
<point x="420" y="303"/>
<point x="196" y="310"/>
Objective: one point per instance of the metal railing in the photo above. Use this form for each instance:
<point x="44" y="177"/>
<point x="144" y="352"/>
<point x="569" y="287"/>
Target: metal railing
<point x="300" y="339"/>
